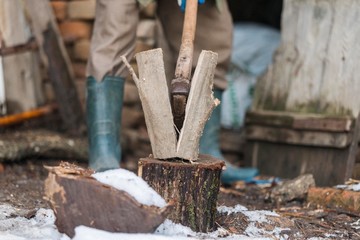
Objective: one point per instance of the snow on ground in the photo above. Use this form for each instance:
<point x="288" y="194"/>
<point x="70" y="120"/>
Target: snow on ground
<point x="255" y="217"/>
<point x="129" y="182"/>
<point x="351" y="187"/>
<point x="42" y="226"/>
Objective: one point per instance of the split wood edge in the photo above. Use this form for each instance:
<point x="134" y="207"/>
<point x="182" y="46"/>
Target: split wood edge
<point x="155" y="99"/>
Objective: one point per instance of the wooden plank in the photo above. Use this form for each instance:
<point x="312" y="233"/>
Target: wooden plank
<point x="301" y="121"/>
<point x="199" y="107"/>
<point x="57" y="62"/>
<point x="316" y="65"/>
<point x="290" y="136"/>
<point x="328" y="165"/>
<point x="155" y="100"/>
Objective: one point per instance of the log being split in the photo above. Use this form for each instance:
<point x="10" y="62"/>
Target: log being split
<point x="79" y="199"/>
<point x="154" y="95"/>
<point x="193" y="186"/>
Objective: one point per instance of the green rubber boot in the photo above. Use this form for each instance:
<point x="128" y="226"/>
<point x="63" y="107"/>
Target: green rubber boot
<point x="209" y="144"/>
<point x="104" y="105"/>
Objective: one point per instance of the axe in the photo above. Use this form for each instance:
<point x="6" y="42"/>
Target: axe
<point x="180" y="85"/>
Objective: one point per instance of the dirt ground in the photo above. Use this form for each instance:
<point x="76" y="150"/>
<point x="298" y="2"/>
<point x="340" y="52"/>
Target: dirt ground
<point x="22" y="185"/>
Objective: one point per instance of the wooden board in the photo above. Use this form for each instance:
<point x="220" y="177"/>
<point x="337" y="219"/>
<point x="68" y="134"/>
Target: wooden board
<point x="299" y="137"/>
<point x="300" y="121"/>
<point x="314" y="74"/>
<point x="315" y="68"/>
<point x="329" y="166"/>
<point x="193" y="188"/>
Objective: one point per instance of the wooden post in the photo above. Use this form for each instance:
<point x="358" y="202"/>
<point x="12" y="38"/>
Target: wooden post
<point x="56" y="60"/>
<point x="192" y="187"/>
<point x="305" y="112"/>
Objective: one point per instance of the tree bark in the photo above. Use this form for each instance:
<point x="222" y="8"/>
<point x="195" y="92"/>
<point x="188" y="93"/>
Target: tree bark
<point x="193" y="187"/>
<point x="78" y="199"/>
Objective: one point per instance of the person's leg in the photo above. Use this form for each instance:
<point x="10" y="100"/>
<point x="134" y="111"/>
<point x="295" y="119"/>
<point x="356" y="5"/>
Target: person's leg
<point x="114" y="35"/>
<point x="214" y="32"/>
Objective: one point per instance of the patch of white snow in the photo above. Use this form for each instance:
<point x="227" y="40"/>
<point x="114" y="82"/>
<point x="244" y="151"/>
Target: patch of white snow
<point x="356" y="224"/>
<point x="256" y="217"/>
<point x="86" y="233"/>
<point x="129" y="182"/>
<point x="40" y="227"/>
<point x="352" y="187"/>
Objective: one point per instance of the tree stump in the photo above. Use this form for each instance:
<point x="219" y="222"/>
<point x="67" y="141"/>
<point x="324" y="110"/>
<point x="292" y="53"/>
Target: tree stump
<point x="193" y="187"/>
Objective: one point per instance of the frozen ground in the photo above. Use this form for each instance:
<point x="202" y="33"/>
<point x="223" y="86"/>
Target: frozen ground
<point x="24" y="215"/>
<point x="42" y="227"/>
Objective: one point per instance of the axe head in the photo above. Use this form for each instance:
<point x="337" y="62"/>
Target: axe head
<point x="180" y="88"/>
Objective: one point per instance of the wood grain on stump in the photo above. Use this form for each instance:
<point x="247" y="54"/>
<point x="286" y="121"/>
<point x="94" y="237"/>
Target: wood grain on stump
<point x="193" y="187"/>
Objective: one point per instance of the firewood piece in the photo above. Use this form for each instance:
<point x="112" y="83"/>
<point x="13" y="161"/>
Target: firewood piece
<point x="199" y="106"/>
<point x="193" y="187"/>
<point x="154" y="95"/>
<point x="155" y="100"/>
<point x="333" y="198"/>
<point x="78" y="199"/>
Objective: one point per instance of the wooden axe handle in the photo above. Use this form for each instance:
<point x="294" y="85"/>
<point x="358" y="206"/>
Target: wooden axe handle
<point x="184" y="62"/>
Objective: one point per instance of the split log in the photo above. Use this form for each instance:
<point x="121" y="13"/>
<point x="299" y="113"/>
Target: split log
<point x="199" y="106"/>
<point x="154" y="95"/>
<point x="78" y="199"/>
<point x="193" y="187"/>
